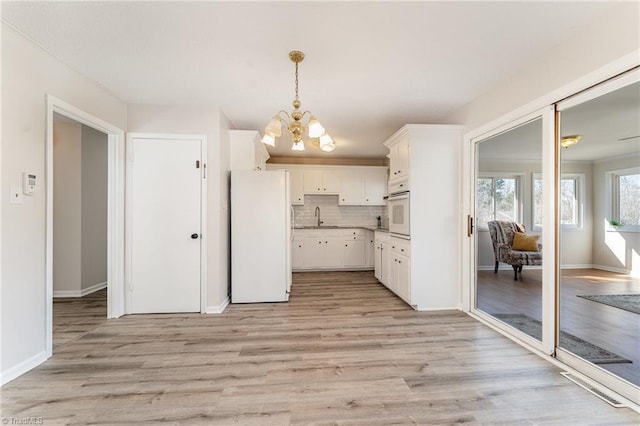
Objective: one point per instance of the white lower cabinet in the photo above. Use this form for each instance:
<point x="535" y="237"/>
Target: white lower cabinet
<point x="297" y="253"/>
<point x="331" y="249"/>
<point x="355" y="253"/>
<point x="393" y="264"/>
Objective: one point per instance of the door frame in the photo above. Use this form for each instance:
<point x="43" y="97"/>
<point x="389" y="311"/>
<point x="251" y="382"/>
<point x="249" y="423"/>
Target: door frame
<point x="547" y="115"/>
<point x="115" y="209"/>
<point x="128" y="285"/>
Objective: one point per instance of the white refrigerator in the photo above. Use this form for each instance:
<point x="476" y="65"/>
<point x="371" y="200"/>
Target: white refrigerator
<point x="260" y="236"/>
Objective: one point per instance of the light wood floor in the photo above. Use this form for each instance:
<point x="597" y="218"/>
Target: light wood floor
<point x="611" y="328"/>
<point x="344" y="350"/>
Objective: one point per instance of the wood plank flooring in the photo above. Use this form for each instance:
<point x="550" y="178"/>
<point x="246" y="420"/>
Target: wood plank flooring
<point x="343" y="351"/>
<point x="610" y="328"/>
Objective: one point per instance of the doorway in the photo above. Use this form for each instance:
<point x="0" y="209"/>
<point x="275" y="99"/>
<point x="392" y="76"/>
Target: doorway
<point x="79" y="228"/>
<point x="114" y="214"/>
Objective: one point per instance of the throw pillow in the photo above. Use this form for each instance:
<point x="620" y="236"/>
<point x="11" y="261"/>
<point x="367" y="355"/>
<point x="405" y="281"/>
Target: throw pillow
<point x="524" y="242"/>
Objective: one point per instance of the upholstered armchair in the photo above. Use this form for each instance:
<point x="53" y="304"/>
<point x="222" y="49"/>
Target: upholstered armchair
<point x="526" y="251"/>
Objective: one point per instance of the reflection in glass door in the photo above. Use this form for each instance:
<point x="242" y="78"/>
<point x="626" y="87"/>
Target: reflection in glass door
<point x="599" y="244"/>
<point x="508" y="232"/>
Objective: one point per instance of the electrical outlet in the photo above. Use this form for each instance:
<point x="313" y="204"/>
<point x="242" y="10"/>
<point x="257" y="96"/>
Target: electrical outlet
<point x="16" y="195"/>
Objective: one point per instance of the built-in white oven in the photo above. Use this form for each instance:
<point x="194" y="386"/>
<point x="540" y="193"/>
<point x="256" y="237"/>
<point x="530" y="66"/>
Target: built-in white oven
<point x="399" y="214"/>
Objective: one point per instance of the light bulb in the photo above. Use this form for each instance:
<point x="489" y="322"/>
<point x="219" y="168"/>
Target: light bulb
<point x="315" y="128"/>
<point x="325" y="140"/>
<point x="267" y="139"/>
<point x="298" y="146"/>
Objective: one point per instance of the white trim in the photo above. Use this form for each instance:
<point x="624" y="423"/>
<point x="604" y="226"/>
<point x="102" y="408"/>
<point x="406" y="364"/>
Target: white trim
<point x="612" y="269"/>
<point x="578" y="266"/>
<point x="80" y="293"/>
<point x="203" y="211"/>
<point x="602" y="88"/>
<point x="21" y="368"/>
<point x="218" y="309"/>
<point x="115" y="210"/>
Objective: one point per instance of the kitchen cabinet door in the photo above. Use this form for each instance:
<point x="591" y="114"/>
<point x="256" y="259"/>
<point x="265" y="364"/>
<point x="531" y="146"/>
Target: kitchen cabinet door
<point x="312" y="181"/>
<point x="377" y="266"/>
<point x="351" y="188"/>
<point x="296" y="187"/>
<point x="333" y="252"/>
<point x="355" y="253"/>
<point x="313" y="252"/>
<point x="371" y="249"/>
<point x="375" y="187"/>
<point x="385" y="264"/>
<point x="297" y="253"/>
<point x="330" y="182"/>
<point x="403" y="278"/>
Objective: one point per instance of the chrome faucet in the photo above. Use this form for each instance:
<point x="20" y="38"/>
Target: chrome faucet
<point x="318" y="216"/>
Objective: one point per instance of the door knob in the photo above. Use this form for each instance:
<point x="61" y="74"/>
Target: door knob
<point x="194" y="236"/>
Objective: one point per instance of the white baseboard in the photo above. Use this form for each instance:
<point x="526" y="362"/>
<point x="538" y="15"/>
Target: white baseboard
<point x="453" y="308"/>
<point x="80" y="293"/>
<point x="610" y="269"/>
<point x="217" y="309"/>
<point x="26" y="365"/>
<point x="577" y="266"/>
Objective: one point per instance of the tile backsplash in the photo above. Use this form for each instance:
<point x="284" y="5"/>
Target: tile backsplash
<point x="333" y="214"/>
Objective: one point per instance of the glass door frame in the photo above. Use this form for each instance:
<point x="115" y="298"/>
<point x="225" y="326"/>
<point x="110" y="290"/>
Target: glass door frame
<point x="549" y="237"/>
<point x="593" y="371"/>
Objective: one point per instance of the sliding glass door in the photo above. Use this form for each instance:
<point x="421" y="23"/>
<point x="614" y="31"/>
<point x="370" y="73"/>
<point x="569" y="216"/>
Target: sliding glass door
<point x="509" y="269"/>
<point x="599" y="233"/>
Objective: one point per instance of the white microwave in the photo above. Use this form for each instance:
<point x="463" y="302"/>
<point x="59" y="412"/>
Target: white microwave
<point x="399" y="214"/>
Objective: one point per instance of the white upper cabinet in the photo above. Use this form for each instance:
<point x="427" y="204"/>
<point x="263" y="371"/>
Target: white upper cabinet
<point x="351" y="187"/>
<point x="375" y="186"/>
<point x="321" y="181"/>
<point x="246" y="150"/>
<point x="354" y="185"/>
<point x="296" y="187"/>
<point x="398" y="160"/>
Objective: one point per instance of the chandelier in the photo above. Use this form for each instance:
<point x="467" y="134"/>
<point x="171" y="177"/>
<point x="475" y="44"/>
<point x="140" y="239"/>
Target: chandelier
<point x="294" y="123"/>
<point x="567" y="141"/>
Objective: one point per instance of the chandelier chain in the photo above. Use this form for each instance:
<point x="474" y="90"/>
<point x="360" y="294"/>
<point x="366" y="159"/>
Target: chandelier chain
<point x="297" y="81"/>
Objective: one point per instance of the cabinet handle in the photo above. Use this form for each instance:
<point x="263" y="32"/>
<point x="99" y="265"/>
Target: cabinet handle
<point x="399" y="171"/>
<point x="354" y="238"/>
<point x="318" y="189"/>
<point x="325" y="189"/>
<point x="346" y="245"/>
<point x="401" y="249"/>
<point x="401" y="185"/>
<point x="325" y="242"/>
<point x="367" y="199"/>
<point x="399" y="261"/>
<point x="343" y="199"/>
<point x="319" y="242"/>
<point x="393" y="246"/>
<point x="300" y="246"/>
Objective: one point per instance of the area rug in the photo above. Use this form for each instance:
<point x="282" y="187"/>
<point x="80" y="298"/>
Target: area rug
<point x="571" y="343"/>
<point x="628" y="302"/>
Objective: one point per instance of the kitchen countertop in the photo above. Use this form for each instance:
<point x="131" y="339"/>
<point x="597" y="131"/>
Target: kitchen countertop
<point x="368" y="228"/>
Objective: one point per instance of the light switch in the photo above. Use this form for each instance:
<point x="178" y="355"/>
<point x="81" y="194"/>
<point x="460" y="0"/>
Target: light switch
<point x="16" y="195"/>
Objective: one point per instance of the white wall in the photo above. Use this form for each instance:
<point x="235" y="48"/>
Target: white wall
<point x="94" y="210"/>
<point x="28" y="75"/>
<point x="212" y="123"/>
<point x="67" y="212"/>
<point x="610" y="37"/>
<point x="614" y="250"/>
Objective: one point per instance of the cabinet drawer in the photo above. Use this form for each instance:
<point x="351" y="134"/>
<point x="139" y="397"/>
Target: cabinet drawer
<point x="399" y="185"/>
<point x="400" y="246"/>
<point x="360" y="233"/>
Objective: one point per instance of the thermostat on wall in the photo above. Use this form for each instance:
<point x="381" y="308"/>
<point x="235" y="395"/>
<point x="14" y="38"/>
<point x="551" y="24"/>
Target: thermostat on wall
<point x="28" y="183"/>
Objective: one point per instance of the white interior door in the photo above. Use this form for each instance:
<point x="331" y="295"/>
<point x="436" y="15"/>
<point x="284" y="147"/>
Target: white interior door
<point x="165" y="225"/>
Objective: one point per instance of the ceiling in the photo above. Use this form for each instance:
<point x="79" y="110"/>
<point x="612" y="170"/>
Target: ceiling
<point x="370" y="67"/>
<point x="609" y="126"/>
